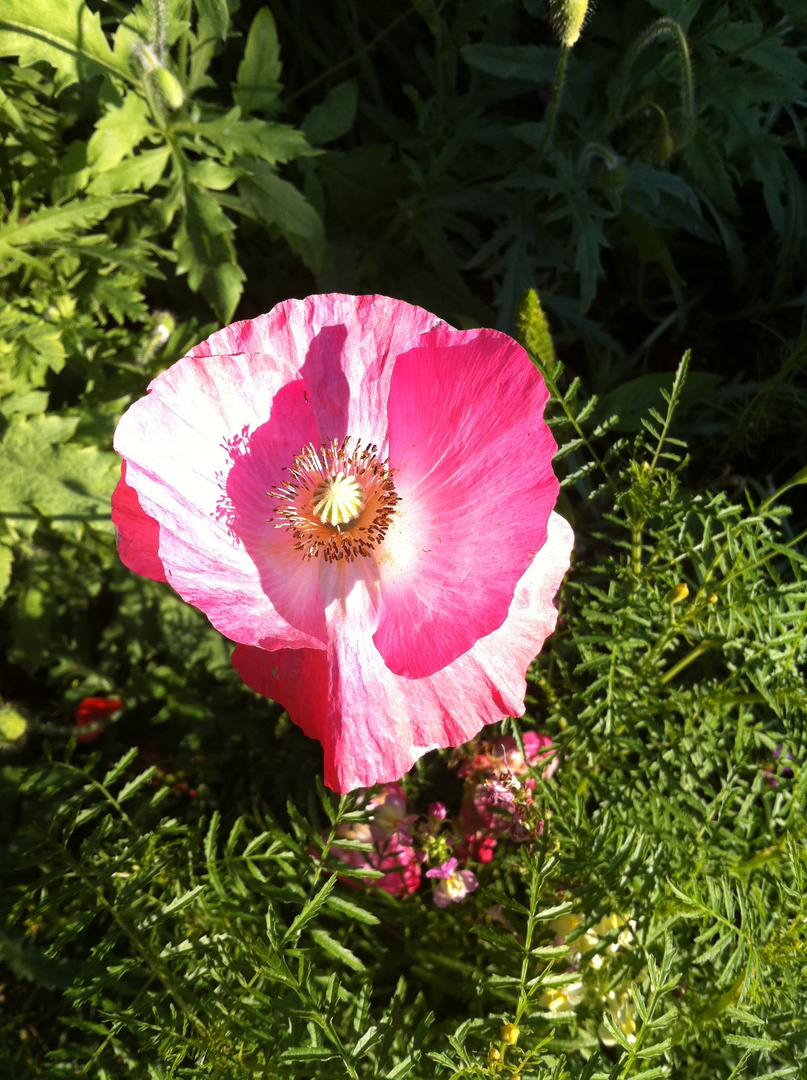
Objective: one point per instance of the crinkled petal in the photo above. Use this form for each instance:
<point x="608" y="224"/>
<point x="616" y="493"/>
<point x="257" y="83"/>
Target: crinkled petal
<point x="472" y="460"/>
<point x="137" y="535"/>
<point x="374" y="724"/>
<point x="343" y="346"/>
<point x="202" y="450"/>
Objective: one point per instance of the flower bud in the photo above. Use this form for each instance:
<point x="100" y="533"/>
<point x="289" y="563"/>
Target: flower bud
<point x="168" y="88"/>
<point x="676" y="593"/>
<point x="509" y="1034"/>
<point x="568" y="17"/>
<point x="711" y="598"/>
<point x="12" y="725"/>
<point x="494" y="1054"/>
<point x="664" y="148"/>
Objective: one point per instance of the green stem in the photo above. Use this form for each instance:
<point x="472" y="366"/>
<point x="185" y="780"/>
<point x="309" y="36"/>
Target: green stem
<point x="553" y="108"/>
<point x="523" y="995"/>
<point x="699" y="650"/>
<point x="636" y="549"/>
<point x="664" y="27"/>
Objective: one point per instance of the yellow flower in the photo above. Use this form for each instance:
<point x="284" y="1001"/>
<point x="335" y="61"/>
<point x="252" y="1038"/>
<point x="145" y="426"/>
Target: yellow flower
<point x="620" y="1006"/>
<point x="566" y="997"/>
<point x="509" y="1034"/>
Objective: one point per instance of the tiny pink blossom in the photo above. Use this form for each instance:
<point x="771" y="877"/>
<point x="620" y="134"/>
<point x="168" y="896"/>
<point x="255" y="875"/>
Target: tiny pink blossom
<point x="398" y="862"/>
<point x="536" y="748"/>
<point x="452" y="885"/>
<point x="361" y="497"/>
<point x="390" y="817"/>
<point x="437" y="811"/>
<point x="392" y="844"/>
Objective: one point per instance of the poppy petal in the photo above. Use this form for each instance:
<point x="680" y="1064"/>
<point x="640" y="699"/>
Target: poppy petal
<point x="205" y="446"/>
<point x="472" y="461"/>
<point x="373" y="724"/>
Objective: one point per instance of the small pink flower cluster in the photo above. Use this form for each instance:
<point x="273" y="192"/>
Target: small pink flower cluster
<point x="393" y="853"/>
<point x="495" y="801"/>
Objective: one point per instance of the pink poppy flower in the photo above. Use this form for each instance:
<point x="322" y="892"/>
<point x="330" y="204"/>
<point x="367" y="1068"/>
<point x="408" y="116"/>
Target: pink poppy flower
<point x="361" y="497"/>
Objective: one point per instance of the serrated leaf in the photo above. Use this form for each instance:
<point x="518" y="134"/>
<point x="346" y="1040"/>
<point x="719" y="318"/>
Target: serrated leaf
<point x="30" y="346"/>
<point x="495" y="937"/>
<point x="143" y="170"/>
<point x="42" y="470"/>
<point x="214" y="16"/>
<point x="278" y="204"/>
<point x="748" y="1042"/>
<point x="334" y="116"/>
<point x="182" y="901"/>
<point x="209" y="174"/>
<point x="310" y="911"/>
<point x="205" y="251"/>
<point x="67" y="34"/>
<point x="335" y="950"/>
<point x="547" y="952"/>
<point x="120" y="767"/>
<point x="308" y="1053"/>
<point x="118" y="132"/>
<point x="534" y="63"/>
<point x="353" y="910"/>
<point x="211" y="854"/>
<point x="57" y="222"/>
<point x="134" y="785"/>
<point x="229" y="134"/>
<point x="258" y="79"/>
<point x="370" y="1036"/>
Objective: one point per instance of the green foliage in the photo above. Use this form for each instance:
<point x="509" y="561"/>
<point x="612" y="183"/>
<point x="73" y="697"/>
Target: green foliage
<point x="172" y="898"/>
<point x="156" y="134"/>
<point x="671" y="141"/>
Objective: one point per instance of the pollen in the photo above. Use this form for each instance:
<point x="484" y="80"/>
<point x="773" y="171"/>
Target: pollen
<point x="338" y="500"/>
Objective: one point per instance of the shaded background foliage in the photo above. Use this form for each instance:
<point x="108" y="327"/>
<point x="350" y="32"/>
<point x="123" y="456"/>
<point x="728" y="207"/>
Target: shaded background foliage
<point x="167" y="167"/>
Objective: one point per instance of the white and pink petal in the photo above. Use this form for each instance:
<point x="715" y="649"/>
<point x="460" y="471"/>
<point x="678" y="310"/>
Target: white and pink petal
<point x="374" y="724"/>
<point x="343" y="346"/>
<point x="202" y="450"/>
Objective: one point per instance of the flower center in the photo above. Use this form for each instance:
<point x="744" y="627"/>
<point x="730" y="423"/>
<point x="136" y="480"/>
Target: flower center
<point x="454" y="886"/>
<point x="336" y="501"/>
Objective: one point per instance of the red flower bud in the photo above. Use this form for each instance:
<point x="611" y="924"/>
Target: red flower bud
<point x="90" y="714"/>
